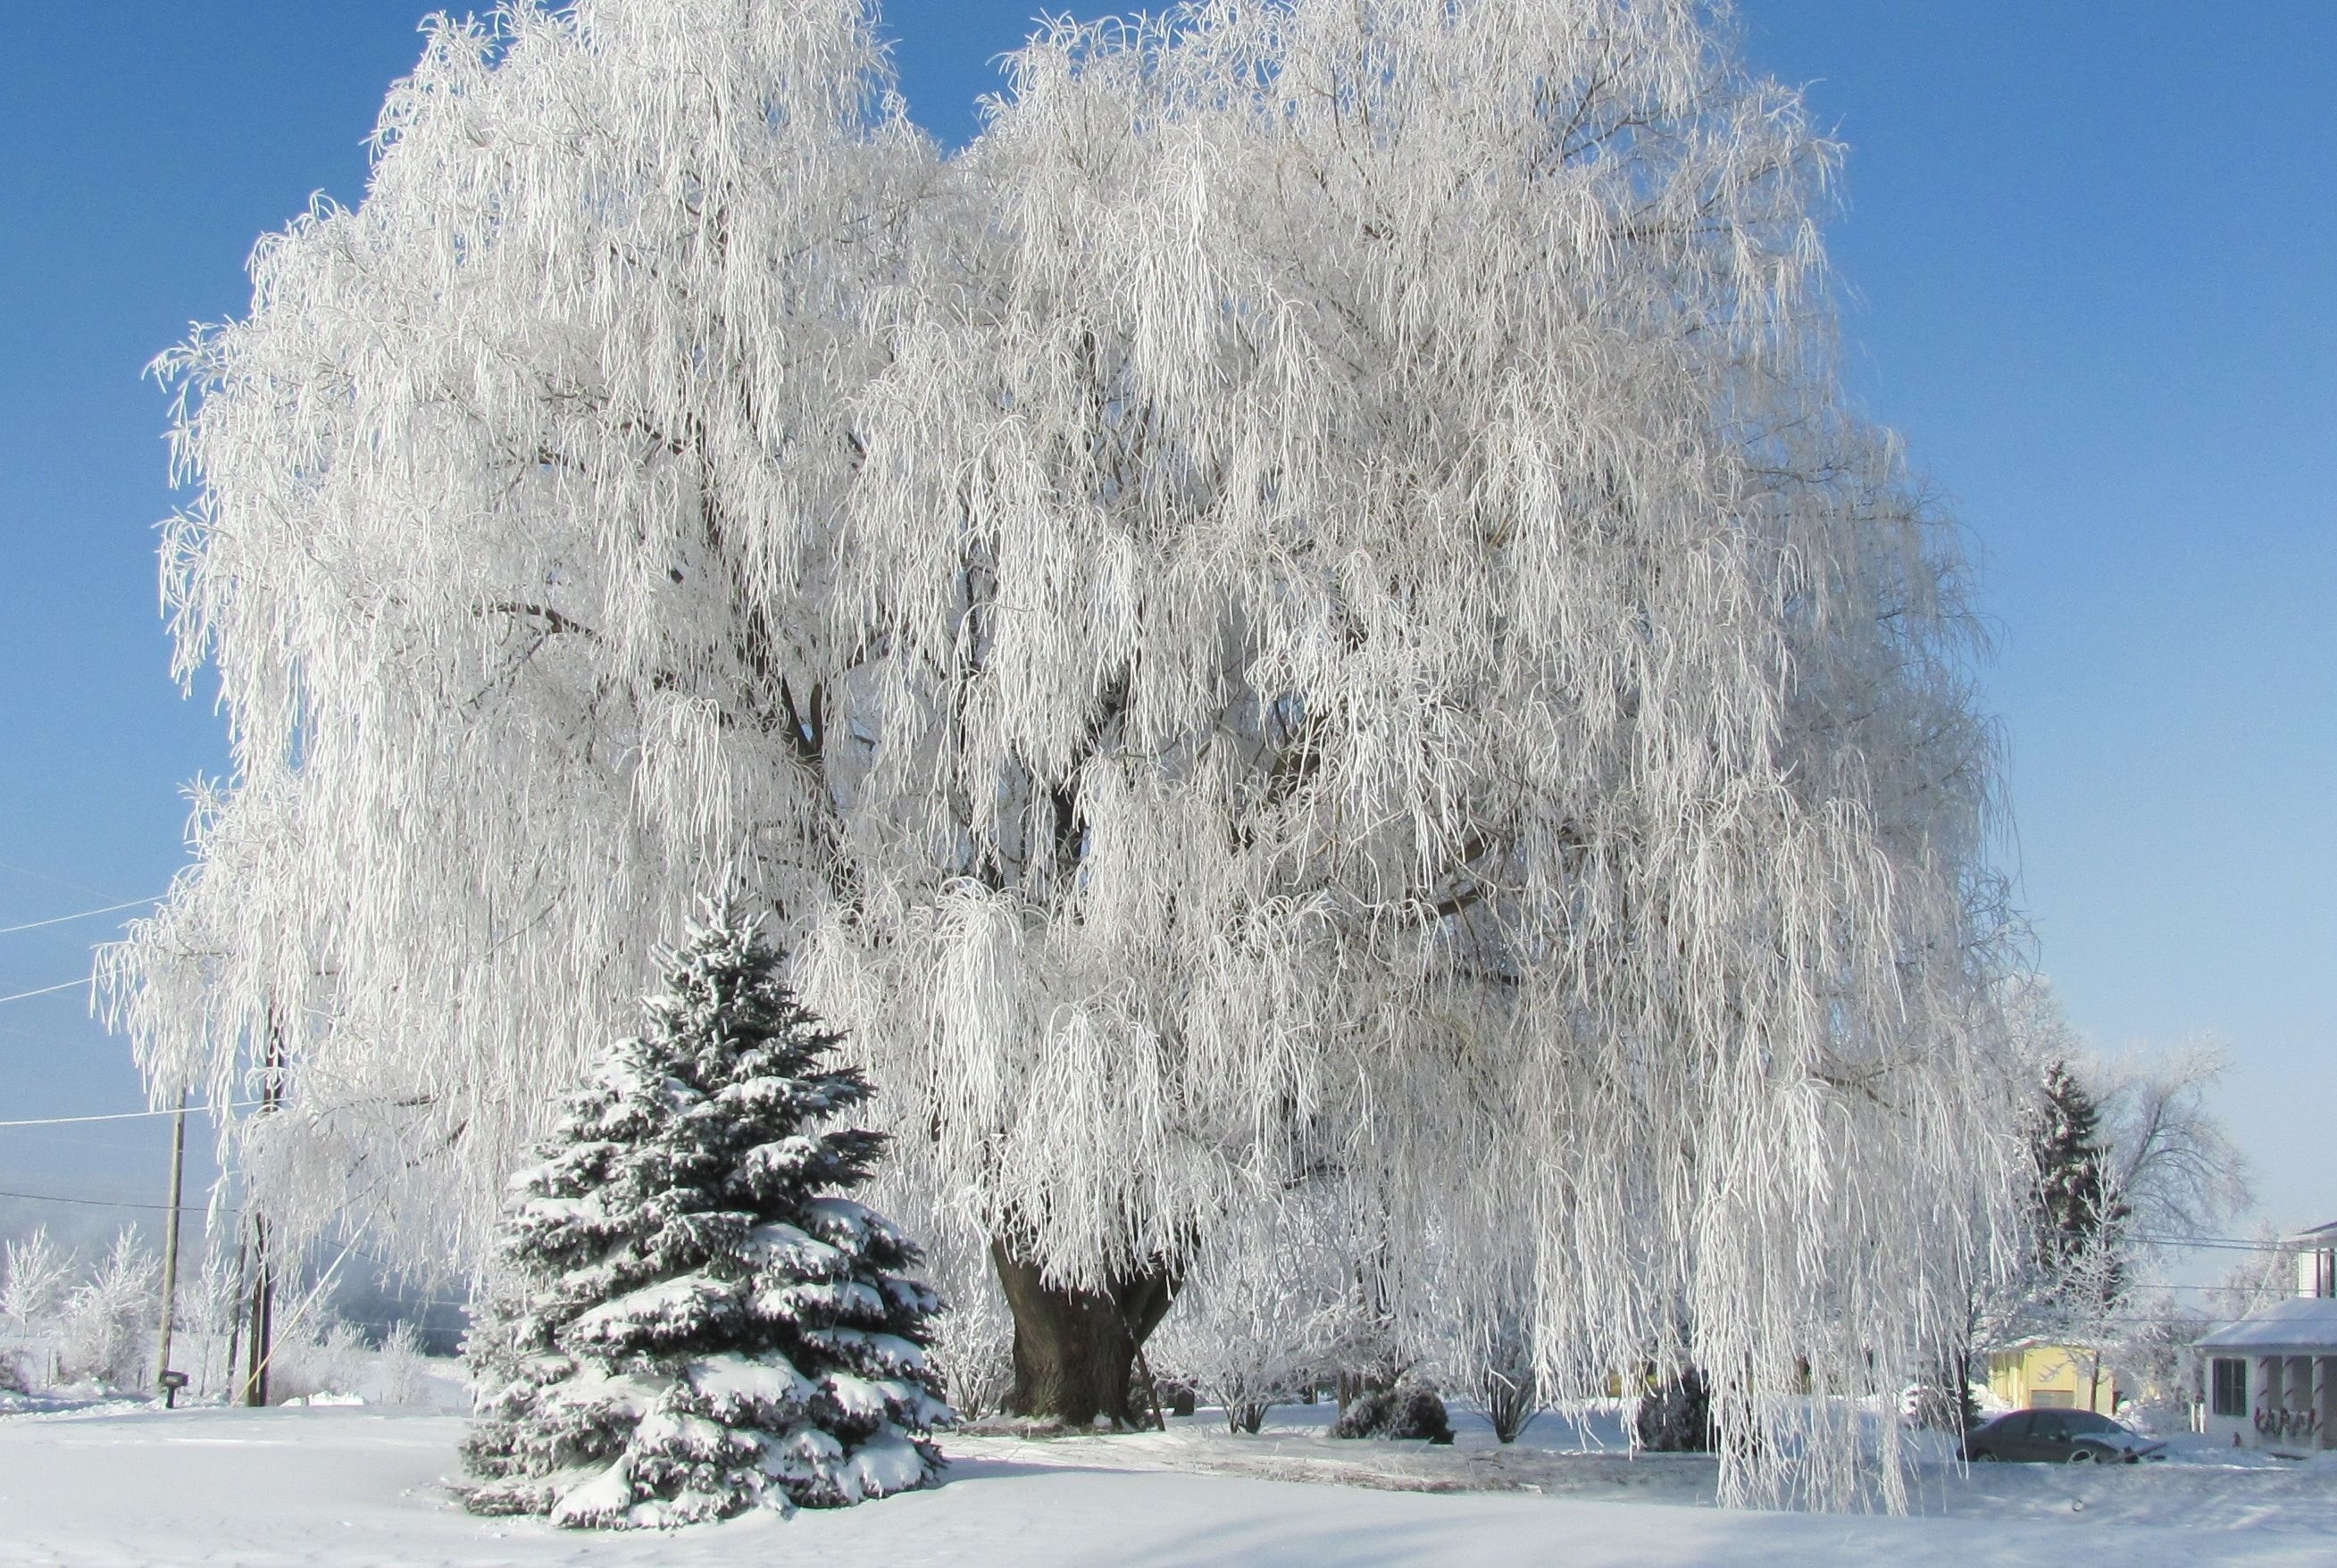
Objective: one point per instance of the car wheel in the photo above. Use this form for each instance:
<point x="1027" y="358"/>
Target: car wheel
<point x="1983" y="1456"/>
<point x="2082" y="1456"/>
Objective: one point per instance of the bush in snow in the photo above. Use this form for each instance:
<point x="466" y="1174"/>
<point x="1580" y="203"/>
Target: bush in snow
<point x="1178" y="1397"/>
<point x="330" y="1358"/>
<point x="1268" y="1310"/>
<point x="1406" y="1411"/>
<point x="1512" y="1388"/>
<point x="1674" y="1416"/>
<point x="106" y="1319"/>
<point x="973" y="1342"/>
<point x="690" y="1322"/>
<point x="32" y="1291"/>
<point x="400" y="1363"/>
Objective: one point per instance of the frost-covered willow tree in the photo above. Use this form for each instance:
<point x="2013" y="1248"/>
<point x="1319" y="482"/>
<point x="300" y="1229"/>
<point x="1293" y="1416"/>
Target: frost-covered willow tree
<point x="1306" y="616"/>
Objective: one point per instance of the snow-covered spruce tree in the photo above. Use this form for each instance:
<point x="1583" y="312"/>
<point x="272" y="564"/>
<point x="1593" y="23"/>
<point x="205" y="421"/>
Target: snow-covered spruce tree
<point x="690" y="1320"/>
<point x="1306" y="611"/>
<point x="2080" y="1218"/>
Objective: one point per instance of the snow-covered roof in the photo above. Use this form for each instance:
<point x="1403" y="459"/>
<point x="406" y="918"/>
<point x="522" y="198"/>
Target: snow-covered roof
<point x="2325" y="1235"/>
<point x="2301" y="1324"/>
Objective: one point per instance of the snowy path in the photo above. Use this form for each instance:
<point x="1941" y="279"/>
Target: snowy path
<point x="351" y="1488"/>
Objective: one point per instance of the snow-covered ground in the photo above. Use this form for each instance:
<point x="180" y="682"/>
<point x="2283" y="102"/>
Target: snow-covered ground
<point x="352" y="1486"/>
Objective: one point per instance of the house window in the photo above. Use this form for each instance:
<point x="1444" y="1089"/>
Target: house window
<point x="2052" y="1398"/>
<point x="2231" y="1391"/>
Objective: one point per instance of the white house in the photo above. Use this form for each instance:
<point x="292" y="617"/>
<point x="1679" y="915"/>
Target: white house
<point x="2271" y="1378"/>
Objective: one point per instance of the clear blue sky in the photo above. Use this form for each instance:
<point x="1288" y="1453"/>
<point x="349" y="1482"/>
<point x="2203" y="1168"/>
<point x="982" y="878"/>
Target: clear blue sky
<point x="2094" y="251"/>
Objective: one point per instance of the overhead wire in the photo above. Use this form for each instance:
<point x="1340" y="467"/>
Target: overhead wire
<point x="43" y="990"/>
<point x="53" y="881"/>
<point x="61" y="920"/>
<point x="107" y="1202"/>
<point x="128" y="1115"/>
<point x="80" y="915"/>
<point x="2222" y="1243"/>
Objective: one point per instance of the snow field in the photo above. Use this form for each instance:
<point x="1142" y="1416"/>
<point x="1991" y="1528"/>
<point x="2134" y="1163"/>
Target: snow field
<point x="353" y="1487"/>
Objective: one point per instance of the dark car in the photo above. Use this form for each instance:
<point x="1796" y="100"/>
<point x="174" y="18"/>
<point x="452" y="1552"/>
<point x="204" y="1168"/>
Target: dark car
<point x="2058" y="1438"/>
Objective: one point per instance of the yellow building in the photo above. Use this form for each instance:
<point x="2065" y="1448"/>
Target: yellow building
<point x="2033" y="1374"/>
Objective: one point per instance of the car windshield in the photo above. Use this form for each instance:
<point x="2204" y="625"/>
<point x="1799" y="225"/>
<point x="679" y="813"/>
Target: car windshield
<point x="2082" y="1422"/>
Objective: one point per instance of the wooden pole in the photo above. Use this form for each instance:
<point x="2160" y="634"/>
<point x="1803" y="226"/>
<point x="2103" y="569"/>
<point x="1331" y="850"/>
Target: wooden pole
<point x="170" y="1245"/>
<point x="261" y="1346"/>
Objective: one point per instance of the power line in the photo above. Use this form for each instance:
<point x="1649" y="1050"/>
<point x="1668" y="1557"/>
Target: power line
<point x="83" y="915"/>
<point x="2216" y="1243"/>
<point x="103" y="1202"/>
<point x="54" y="881"/>
<point x="44" y="991"/>
<point x="125" y="1116"/>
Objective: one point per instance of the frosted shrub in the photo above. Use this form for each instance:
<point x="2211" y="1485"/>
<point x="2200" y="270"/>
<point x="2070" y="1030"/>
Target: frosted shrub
<point x="212" y="1302"/>
<point x="1675" y="1415"/>
<point x="400" y="1362"/>
<point x="38" y="1277"/>
<point x="106" y="1321"/>
<point x="1511" y="1387"/>
<point x="1270" y="1313"/>
<point x="330" y="1358"/>
<point x="1408" y="1410"/>
<point x="974" y="1346"/>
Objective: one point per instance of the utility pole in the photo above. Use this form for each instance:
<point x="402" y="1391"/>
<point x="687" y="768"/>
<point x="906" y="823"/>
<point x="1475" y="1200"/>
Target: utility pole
<point x="171" y="1251"/>
<point x="261" y="1345"/>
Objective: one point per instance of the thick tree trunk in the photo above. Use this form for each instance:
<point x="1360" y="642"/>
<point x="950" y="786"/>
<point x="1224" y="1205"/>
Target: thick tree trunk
<point x="1074" y="1349"/>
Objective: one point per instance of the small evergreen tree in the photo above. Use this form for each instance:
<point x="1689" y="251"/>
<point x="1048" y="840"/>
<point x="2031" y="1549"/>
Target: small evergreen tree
<point x="1675" y="1414"/>
<point x="2078" y="1213"/>
<point x="691" y="1322"/>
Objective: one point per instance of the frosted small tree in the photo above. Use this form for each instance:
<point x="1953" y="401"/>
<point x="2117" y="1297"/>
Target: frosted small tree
<point x="1309" y="610"/>
<point x="105" y="1320"/>
<point x="974" y="1344"/>
<point x="36" y="1277"/>
<point x="692" y="1320"/>
<point x="39" y="1276"/>
<point x="401" y="1360"/>
<point x="212" y="1305"/>
<point x="2264" y="1276"/>
<point x="1266" y="1315"/>
<point x="1509" y="1384"/>
<point x="323" y="1355"/>
<point x="2171" y="1159"/>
